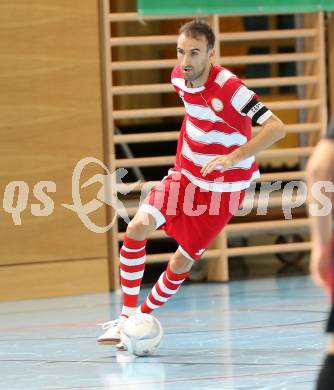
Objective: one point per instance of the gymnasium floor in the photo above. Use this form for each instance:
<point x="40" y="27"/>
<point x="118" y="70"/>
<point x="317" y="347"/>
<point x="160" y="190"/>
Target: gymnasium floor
<point x="255" y="334"/>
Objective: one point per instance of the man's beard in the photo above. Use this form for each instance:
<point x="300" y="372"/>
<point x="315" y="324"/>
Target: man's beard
<point x="192" y="77"/>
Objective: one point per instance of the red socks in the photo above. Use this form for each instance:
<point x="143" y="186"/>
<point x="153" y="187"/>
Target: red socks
<point x="132" y="265"/>
<point x="167" y="285"/>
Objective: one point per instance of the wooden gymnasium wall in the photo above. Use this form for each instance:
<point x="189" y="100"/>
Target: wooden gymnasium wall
<point x="50" y="110"/>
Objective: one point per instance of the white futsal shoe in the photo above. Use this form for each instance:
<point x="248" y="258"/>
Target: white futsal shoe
<point x="113" y="333"/>
<point x="121" y="347"/>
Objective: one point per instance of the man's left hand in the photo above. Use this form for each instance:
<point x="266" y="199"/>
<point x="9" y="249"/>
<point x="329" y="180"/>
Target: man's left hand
<point x="220" y="163"/>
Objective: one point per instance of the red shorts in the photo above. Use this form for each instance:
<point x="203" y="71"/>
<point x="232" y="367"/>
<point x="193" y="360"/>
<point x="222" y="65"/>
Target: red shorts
<point x="189" y="214"/>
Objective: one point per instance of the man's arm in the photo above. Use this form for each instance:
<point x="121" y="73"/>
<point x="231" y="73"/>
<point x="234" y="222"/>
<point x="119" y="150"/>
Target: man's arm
<point x="320" y="167"/>
<point x="272" y="130"/>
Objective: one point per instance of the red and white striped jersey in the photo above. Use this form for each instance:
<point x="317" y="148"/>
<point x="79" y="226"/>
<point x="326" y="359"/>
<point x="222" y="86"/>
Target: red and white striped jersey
<point x="218" y="120"/>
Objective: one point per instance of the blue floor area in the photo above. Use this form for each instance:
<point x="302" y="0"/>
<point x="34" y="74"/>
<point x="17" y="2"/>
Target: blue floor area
<point x="255" y="334"/>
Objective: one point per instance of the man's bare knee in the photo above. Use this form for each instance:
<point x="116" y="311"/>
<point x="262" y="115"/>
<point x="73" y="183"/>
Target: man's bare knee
<point x="331" y="345"/>
<point x="141" y="226"/>
<point x="180" y="264"/>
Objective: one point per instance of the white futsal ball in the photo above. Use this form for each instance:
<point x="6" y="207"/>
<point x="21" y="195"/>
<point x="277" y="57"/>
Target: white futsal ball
<point x="142" y="334"/>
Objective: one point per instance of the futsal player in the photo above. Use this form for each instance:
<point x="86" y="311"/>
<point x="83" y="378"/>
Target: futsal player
<point x="321" y="168"/>
<point x="214" y="166"/>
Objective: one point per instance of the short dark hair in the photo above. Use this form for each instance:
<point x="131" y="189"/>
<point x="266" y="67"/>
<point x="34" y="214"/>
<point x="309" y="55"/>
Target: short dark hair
<point x="198" y="27"/>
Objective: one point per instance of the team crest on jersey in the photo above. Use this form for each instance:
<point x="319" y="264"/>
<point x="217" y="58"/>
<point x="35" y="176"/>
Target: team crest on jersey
<point x="217" y="104"/>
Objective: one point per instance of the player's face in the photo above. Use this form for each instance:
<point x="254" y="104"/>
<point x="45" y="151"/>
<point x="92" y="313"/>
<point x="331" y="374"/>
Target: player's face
<point x="194" y="57"/>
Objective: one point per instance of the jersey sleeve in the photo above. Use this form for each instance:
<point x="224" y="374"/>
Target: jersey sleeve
<point x="246" y="103"/>
<point x="175" y="74"/>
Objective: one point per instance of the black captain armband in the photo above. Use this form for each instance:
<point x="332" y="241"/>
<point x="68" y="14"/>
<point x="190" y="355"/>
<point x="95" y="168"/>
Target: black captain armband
<point x="257" y="111"/>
